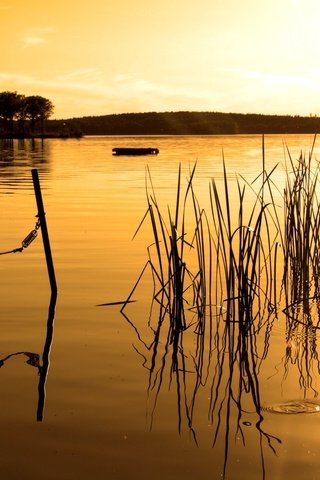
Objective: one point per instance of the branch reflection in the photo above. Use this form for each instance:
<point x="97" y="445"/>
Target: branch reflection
<point x="43" y="372"/>
<point x="33" y="359"/>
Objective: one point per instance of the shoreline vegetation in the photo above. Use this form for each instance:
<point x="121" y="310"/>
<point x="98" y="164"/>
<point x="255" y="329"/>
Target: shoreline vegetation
<point x="186" y="123"/>
<point x="23" y="117"/>
<point x="164" y="123"/>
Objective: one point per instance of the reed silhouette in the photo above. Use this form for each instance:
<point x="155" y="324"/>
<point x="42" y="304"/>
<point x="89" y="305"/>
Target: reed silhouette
<point x="216" y="297"/>
<point x="211" y="300"/>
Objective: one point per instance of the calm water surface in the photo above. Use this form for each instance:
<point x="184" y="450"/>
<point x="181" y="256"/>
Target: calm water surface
<point x="99" y="420"/>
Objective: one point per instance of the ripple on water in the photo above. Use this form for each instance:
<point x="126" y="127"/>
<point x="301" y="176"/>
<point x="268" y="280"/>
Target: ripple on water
<point x="294" y="407"/>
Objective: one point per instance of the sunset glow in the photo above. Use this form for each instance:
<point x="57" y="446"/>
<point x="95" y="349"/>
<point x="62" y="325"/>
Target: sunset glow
<point x="97" y="57"/>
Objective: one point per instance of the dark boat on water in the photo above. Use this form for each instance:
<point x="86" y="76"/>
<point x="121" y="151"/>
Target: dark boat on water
<point x="135" y="151"/>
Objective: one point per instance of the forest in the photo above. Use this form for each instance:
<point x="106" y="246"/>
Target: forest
<point x="28" y="116"/>
<point x="187" y="123"/>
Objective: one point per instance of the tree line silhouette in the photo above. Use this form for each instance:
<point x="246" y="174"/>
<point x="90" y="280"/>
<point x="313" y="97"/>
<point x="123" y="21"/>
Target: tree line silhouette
<point x="23" y="116"/>
<point x="189" y="123"/>
<point x="28" y="116"/>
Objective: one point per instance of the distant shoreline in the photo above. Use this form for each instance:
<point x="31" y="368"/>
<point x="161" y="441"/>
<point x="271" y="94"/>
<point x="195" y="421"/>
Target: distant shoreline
<point x="79" y="137"/>
<point x="174" y="123"/>
<point x="38" y="136"/>
<point x="186" y="123"/>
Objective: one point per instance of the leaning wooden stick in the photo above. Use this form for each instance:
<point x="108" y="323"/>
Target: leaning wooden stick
<point x="44" y="230"/>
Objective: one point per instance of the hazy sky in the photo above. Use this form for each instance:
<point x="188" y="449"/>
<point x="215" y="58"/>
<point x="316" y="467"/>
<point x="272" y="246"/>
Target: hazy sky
<point x="95" y="57"/>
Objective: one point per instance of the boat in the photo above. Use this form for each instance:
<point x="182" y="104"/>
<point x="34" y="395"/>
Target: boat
<point x="135" y="151"/>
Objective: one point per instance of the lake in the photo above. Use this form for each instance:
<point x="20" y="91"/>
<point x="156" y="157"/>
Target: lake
<point x="91" y="391"/>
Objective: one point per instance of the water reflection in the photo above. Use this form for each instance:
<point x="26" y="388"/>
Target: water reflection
<point x="33" y="359"/>
<point x="301" y="345"/>
<point x="43" y="371"/>
<point x="16" y="149"/>
<point x="17" y="157"/>
<point x="6" y="150"/>
<point x="179" y="359"/>
<point x="228" y="373"/>
<point x="85" y="181"/>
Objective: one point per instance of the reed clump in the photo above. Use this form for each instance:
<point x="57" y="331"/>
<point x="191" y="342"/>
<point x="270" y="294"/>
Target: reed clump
<point x="301" y="276"/>
<point x="301" y="236"/>
<point x="208" y="282"/>
<point x="179" y="288"/>
<point x="215" y="288"/>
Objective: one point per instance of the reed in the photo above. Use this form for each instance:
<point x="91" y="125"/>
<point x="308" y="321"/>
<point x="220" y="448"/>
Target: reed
<point x="301" y="230"/>
<point x="245" y="241"/>
<point x="301" y="277"/>
<point x="172" y="277"/>
<point x="215" y="295"/>
<point x="179" y="289"/>
<point x="218" y="297"/>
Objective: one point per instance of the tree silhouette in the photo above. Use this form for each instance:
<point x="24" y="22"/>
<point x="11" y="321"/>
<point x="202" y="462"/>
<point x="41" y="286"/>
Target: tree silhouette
<point x="38" y="108"/>
<point x="10" y="106"/>
<point x="16" y="109"/>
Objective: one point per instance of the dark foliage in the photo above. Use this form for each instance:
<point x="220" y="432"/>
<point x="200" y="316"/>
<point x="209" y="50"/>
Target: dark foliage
<point x="188" y="123"/>
<point x="23" y="116"/>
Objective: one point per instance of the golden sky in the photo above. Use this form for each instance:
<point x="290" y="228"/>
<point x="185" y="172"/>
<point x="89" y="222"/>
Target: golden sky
<point x="96" y="57"/>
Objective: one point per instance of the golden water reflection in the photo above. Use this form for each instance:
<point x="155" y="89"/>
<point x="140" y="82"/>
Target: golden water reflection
<point x="205" y="380"/>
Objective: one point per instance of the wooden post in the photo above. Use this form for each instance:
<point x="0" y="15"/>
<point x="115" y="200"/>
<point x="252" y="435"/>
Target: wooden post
<point x="44" y="230"/>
